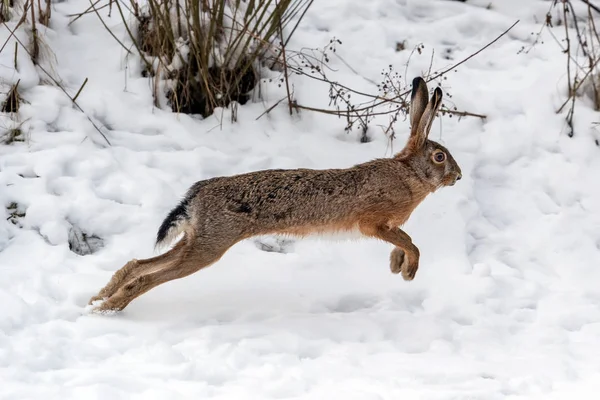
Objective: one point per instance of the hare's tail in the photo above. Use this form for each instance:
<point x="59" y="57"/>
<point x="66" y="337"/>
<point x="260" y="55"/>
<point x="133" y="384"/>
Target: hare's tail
<point x="173" y="225"/>
<point x="179" y="218"/>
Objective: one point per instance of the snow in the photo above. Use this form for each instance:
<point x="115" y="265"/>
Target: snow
<point x="505" y="305"/>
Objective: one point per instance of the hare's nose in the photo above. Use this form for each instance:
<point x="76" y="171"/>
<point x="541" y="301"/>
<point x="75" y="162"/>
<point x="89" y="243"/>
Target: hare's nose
<point x="458" y="177"/>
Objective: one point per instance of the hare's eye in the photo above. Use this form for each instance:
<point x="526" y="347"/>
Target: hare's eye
<point x="439" y="156"/>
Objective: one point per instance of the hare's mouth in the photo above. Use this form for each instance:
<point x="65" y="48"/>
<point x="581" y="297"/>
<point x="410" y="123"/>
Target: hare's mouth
<point x="453" y="179"/>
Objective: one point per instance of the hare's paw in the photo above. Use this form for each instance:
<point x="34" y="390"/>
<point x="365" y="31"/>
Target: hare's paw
<point x="396" y="260"/>
<point x="109" y="306"/>
<point x="401" y="262"/>
<point x="95" y="299"/>
<point x="409" y="268"/>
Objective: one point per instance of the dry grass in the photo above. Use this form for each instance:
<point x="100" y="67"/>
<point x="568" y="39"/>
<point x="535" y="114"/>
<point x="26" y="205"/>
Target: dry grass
<point x="13" y="100"/>
<point x="581" y="47"/>
<point x="11" y="136"/>
<point x="206" y="54"/>
<point x="45" y="12"/>
<point x="360" y="109"/>
<point x="6" y="10"/>
<point x="14" y="214"/>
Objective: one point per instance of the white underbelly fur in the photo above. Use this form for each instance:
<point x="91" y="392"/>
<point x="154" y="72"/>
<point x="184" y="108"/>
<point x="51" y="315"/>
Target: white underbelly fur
<point x="346" y="235"/>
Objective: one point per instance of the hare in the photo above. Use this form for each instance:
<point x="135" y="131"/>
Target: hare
<point x="373" y="198"/>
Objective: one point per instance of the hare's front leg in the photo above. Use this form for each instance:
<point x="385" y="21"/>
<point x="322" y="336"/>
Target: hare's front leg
<point x="405" y="257"/>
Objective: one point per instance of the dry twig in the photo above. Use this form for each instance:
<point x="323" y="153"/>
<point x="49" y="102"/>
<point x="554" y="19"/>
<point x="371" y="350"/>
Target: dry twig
<point x="12" y="34"/>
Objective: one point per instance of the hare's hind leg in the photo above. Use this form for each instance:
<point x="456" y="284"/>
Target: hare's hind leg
<point x="136" y="268"/>
<point x="191" y="257"/>
<point x="405" y="257"/>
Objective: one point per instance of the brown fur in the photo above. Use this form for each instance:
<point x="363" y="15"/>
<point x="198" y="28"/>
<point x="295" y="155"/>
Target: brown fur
<point x="374" y="198"/>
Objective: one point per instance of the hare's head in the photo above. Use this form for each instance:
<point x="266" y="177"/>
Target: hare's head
<point x="430" y="160"/>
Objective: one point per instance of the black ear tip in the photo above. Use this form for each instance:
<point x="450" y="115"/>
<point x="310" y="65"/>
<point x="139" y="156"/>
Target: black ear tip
<point x="438" y="92"/>
<point x="416" y="83"/>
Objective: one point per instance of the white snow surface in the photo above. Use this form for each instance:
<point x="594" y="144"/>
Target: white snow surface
<point x="505" y="305"/>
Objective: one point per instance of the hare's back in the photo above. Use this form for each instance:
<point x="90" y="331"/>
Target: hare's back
<point x="279" y="194"/>
<point x="278" y="185"/>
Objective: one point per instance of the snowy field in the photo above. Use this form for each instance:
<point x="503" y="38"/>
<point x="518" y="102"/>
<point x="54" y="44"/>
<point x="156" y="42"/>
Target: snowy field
<point x="505" y="305"/>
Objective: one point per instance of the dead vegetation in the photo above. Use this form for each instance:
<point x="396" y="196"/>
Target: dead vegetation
<point x="15" y="214"/>
<point x="205" y="54"/>
<point x="11" y="104"/>
<point x="45" y="12"/>
<point x="6" y="10"/>
<point x="82" y="243"/>
<point x="12" y="135"/>
<point x="39" y="53"/>
<point x="359" y="109"/>
<point x="11" y="131"/>
<point x="22" y="14"/>
<point x="581" y="47"/>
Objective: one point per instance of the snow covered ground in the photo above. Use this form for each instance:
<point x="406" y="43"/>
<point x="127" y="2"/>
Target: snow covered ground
<point x="506" y="304"/>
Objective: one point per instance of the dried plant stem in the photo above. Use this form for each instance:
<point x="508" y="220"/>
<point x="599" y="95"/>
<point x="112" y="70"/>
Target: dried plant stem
<point x="89" y="10"/>
<point x="306" y="7"/>
<point x="12" y="34"/>
<point x="11" y="104"/>
<point x="460" y="114"/>
<point x="590" y="5"/>
<point x="34" y="33"/>
<point x="285" y="70"/>
<point x="395" y="99"/>
<point x="586" y="43"/>
<point x="133" y="39"/>
<point x="108" y="29"/>
<point x="44" y="17"/>
<point x="21" y="21"/>
<point x="472" y="55"/>
<point x="268" y="110"/>
<point x="195" y="82"/>
<point x="80" y="89"/>
<point x="571" y="112"/>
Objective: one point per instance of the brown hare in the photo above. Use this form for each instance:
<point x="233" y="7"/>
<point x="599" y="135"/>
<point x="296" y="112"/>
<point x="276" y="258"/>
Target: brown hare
<point x="373" y="198"/>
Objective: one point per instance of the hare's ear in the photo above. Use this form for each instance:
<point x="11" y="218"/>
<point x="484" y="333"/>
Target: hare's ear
<point x="418" y="103"/>
<point x="427" y="118"/>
